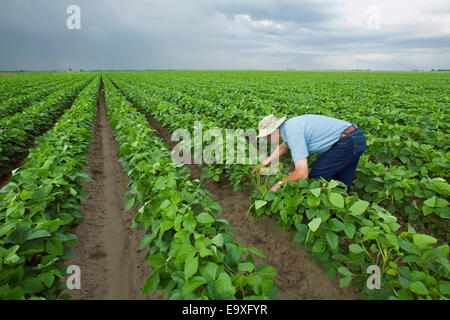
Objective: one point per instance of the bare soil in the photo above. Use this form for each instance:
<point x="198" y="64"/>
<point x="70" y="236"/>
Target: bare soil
<point x="111" y="266"/>
<point x="298" y="278"/>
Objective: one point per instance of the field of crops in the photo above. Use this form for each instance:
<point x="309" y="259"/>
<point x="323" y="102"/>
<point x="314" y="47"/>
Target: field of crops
<point x="395" y="218"/>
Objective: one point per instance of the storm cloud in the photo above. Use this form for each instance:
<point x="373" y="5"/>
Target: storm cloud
<point x="226" y="34"/>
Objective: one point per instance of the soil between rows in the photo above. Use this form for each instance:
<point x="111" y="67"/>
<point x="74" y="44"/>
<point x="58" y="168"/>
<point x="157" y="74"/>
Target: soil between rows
<point x="298" y="278"/>
<point x="111" y="266"/>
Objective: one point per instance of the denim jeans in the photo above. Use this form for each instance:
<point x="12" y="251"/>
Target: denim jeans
<point x="340" y="161"/>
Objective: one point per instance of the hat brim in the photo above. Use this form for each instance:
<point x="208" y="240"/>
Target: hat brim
<point x="266" y="132"/>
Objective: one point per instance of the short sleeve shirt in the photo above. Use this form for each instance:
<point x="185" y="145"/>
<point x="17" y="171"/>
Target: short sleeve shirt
<point x="311" y="133"/>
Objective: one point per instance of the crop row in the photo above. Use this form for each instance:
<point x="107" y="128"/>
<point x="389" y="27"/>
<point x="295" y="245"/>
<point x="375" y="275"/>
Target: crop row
<point x="17" y="131"/>
<point x="396" y="188"/>
<point x="18" y="103"/>
<point x="192" y="253"/>
<point x="14" y="86"/>
<point x="38" y="206"/>
<point x="344" y="232"/>
<point x="354" y="100"/>
<point x="386" y="144"/>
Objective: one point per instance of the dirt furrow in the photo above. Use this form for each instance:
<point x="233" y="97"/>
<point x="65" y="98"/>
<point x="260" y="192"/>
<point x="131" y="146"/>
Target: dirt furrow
<point x="298" y="278"/>
<point x="111" y="267"/>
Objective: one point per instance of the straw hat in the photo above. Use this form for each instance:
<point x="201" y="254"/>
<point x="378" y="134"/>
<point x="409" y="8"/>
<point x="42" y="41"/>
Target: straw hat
<point x="269" y="124"/>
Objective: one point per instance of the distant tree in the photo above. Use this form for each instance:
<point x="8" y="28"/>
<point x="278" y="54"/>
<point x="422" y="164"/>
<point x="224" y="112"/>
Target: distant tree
<point x="70" y="69"/>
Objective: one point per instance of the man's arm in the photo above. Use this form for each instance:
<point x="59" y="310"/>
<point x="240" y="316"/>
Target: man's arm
<point x="300" y="172"/>
<point x="279" y="151"/>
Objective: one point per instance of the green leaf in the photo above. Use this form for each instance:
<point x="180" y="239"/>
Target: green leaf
<point x="73" y="191"/>
<point x="39" y="234"/>
<point x="408" y="246"/>
<point x="192" y="284"/>
<point x="10" y="255"/>
<point x="345" y="282"/>
<point x="333" y="184"/>
<point x="355" y="248"/>
<point x="145" y="241"/>
<point x="359" y="207"/>
<point x="312" y="202"/>
<point x="344" y="271"/>
<point x="157" y="260"/>
<point x="20" y="234"/>
<point x="315" y="192"/>
<point x="47" y="278"/>
<point x="54" y="247"/>
<point x="336" y="225"/>
<point x="300" y="236"/>
<point x="257" y="252"/>
<point x="190" y="267"/>
<point x="42" y="172"/>
<point x="5" y="227"/>
<point x="224" y="285"/>
<point x="444" y="288"/>
<point x="404" y="294"/>
<point x="204" y="218"/>
<point x="209" y="271"/>
<point x="443" y="212"/>
<point x="151" y="284"/>
<point x="422" y="240"/>
<point x="391" y="272"/>
<point x="336" y="199"/>
<point x="318" y="247"/>
<point x="260" y="204"/>
<point x="430" y="202"/>
<point x="32" y="285"/>
<point x="266" y="270"/>
<point x="51" y="226"/>
<point x="419" y="288"/>
<point x="129" y="203"/>
<point x="314" y="224"/>
<point x="184" y="252"/>
<point x="349" y="230"/>
<point x="332" y="239"/>
<point x="441" y="203"/>
<point x="218" y="240"/>
<point x="427" y="210"/>
<point x="246" y="266"/>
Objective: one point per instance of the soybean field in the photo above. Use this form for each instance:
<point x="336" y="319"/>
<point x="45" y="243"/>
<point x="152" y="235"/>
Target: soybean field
<point x="87" y="178"/>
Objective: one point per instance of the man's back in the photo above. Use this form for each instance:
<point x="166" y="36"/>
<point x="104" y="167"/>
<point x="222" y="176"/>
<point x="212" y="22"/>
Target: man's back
<point x="311" y="133"/>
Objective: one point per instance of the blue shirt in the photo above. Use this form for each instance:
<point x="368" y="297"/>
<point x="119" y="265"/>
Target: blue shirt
<point x="311" y="133"/>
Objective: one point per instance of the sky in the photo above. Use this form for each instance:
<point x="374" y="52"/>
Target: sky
<point x="225" y="34"/>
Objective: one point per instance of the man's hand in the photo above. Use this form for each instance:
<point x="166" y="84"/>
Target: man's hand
<point x="275" y="187"/>
<point x="300" y="172"/>
<point x="259" y="166"/>
<point x="279" y="151"/>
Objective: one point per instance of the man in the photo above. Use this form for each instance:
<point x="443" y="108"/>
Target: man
<point x="340" y="144"/>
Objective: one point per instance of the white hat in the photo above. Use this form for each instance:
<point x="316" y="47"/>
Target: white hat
<point x="269" y="124"/>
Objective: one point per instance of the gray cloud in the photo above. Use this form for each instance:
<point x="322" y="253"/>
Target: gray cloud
<point x="223" y="34"/>
<point x="301" y="12"/>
